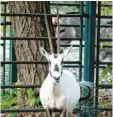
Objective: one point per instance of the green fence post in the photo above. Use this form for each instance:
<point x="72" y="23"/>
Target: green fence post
<point x="12" y="57"/>
<point x="80" y="49"/>
<point x="4" y="46"/>
<point x="89" y="49"/>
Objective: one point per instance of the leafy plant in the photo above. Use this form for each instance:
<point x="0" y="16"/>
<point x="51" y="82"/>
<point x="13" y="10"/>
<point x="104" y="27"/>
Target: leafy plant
<point x="12" y="115"/>
<point x="107" y="103"/>
<point x="106" y="10"/>
<point x="31" y="97"/>
<point x="9" y="99"/>
<point x="105" y="75"/>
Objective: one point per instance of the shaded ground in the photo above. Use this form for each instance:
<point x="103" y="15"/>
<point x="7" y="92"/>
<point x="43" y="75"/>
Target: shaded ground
<point x="31" y="114"/>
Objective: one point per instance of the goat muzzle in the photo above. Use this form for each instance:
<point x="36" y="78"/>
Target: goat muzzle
<point x="56" y="79"/>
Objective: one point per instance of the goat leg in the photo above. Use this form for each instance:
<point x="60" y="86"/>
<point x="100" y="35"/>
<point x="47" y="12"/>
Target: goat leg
<point x="53" y="113"/>
<point x="49" y="112"/>
<point x="63" y="113"/>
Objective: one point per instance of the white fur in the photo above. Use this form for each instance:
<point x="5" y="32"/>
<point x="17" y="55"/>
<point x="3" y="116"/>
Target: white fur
<point x="61" y="94"/>
<point x="65" y="93"/>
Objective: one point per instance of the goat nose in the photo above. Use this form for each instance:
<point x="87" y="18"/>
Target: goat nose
<point x="56" y="68"/>
<point x="57" y="79"/>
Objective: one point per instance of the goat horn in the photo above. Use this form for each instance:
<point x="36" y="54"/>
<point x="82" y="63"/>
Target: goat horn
<point x="47" y="27"/>
<point x="58" y="38"/>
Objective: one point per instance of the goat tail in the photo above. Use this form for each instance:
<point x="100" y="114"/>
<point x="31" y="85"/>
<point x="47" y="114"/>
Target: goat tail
<point x="90" y="87"/>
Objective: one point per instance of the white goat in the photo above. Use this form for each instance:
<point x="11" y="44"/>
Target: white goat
<point x="60" y="90"/>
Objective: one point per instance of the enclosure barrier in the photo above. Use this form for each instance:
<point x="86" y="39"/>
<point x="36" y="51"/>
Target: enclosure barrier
<point x="78" y="64"/>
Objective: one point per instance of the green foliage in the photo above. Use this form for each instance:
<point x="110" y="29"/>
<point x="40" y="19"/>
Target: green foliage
<point x="31" y="97"/>
<point x="108" y="69"/>
<point x="105" y="44"/>
<point x="12" y="115"/>
<point x="104" y="74"/>
<point x="110" y="35"/>
<point x="106" y="10"/>
<point x="9" y="99"/>
<point x="107" y="103"/>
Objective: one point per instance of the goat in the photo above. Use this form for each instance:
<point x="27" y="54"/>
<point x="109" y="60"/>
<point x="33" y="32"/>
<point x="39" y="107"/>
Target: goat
<point x="60" y="90"/>
<point x="57" y="91"/>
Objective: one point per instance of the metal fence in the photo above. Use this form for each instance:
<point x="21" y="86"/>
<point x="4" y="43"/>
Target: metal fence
<point x="87" y="11"/>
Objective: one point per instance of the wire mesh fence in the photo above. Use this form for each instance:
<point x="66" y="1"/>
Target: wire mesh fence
<point x="81" y="13"/>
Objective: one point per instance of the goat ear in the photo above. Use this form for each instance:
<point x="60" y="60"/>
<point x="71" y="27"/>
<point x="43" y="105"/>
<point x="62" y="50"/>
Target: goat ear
<point x="66" y="52"/>
<point x="44" y="53"/>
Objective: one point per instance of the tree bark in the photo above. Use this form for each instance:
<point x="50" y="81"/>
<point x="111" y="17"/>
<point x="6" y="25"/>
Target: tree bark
<point x="28" y="50"/>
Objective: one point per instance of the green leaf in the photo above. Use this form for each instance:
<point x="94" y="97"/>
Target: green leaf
<point x="32" y="101"/>
<point x="30" y="92"/>
<point x="12" y="115"/>
<point x="8" y="99"/>
<point x="31" y="97"/>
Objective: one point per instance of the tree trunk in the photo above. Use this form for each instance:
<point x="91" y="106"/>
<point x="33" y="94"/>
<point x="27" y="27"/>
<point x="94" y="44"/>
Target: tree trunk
<point x="28" y="50"/>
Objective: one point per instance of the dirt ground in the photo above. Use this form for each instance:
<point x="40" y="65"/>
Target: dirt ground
<point x="34" y="114"/>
